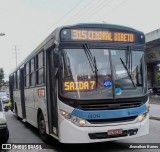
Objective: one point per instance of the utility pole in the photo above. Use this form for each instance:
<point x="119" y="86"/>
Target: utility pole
<point x="16" y="53"/>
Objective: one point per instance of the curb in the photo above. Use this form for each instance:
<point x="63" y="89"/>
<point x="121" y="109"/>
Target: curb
<point x="154" y="118"/>
<point x="155" y="103"/>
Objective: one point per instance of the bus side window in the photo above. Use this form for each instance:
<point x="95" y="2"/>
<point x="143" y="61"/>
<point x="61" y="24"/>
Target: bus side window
<point x="18" y="79"/>
<point x="15" y="78"/>
<point x="27" y="74"/>
<point x="32" y="72"/>
<point x="40" y="68"/>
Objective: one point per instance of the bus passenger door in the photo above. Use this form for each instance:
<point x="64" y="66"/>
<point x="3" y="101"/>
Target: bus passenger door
<point x="51" y="93"/>
<point x="11" y="86"/>
<point x="22" y="93"/>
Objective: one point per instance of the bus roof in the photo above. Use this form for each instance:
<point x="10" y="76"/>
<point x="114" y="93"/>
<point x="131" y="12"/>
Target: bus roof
<point x="54" y="36"/>
<point x="101" y="25"/>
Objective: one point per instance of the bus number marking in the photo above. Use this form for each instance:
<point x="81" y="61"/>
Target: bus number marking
<point x="94" y="116"/>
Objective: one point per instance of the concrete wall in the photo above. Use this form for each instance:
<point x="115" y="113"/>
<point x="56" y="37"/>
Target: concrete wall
<point x="151" y="36"/>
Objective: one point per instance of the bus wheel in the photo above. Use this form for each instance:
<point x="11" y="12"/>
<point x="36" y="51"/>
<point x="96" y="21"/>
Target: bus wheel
<point x="42" y="128"/>
<point x="5" y="136"/>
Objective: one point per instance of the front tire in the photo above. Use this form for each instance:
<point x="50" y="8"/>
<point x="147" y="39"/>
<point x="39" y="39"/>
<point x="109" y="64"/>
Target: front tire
<point x="42" y="128"/>
<point x="5" y="137"/>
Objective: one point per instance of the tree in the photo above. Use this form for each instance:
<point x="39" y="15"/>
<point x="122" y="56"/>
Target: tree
<point x="158" y="78"/>
<point x="1" y="77"/>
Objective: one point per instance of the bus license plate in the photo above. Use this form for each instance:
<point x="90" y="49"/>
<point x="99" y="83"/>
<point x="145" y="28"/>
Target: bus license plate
<point x="115" y="132"/>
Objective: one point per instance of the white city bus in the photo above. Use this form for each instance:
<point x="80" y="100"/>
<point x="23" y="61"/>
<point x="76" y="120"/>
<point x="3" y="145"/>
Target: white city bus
<point x="84" y="83"/>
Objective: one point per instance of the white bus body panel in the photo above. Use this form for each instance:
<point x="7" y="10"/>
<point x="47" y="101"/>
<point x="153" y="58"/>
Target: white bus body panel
<point x="29" y="106"/>
<point x="33" y="102"/>
<point x="17" y="100"/>
<point x="70" y="133"/>
<point x="40" y="103"/>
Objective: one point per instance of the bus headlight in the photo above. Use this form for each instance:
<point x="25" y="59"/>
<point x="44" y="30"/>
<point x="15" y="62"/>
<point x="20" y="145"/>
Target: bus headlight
<point x="74" y="119"/>
<point x="78" y="121"/>
<point x="141" y="117"/>
<point x="82" y="122"/>
<point x="65" y="114"/>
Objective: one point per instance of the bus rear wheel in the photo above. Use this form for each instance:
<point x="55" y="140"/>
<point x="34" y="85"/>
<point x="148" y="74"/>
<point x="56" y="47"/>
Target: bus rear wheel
<point x="42" y="128"/>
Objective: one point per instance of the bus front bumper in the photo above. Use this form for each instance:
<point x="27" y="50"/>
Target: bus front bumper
<point x="70" y="133"/>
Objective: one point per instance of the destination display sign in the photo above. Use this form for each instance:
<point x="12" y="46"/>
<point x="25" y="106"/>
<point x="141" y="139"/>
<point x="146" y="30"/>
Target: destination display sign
<point x="79" y="85"/>
<point x="100" y="35"/>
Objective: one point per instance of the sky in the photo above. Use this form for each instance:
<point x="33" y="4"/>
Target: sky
<point x="26" y="23"/>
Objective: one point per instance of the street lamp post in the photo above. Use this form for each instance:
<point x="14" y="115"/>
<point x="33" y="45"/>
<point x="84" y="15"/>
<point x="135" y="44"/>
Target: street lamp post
<point x="2" y="34"/>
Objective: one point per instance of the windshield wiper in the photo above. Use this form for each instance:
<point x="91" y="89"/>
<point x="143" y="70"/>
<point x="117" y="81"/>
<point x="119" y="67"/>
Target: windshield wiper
<point x="129" y="59"/>
<point x="96" y="71"/>
<point x="128" y="72"/>
<point x="92" y="61"/>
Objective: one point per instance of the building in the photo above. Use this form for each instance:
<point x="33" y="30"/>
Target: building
<point x="153" y="58"/>
<point x="5" y="87"/>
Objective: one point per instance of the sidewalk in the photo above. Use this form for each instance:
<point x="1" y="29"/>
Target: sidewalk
<point x="154" y="103"/>
<point x="154" y="99"/>
<point x="154" y="111"/>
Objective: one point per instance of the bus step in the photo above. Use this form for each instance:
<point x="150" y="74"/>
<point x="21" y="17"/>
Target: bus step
<point x="54" y="136"/>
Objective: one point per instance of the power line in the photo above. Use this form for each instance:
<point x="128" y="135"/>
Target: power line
<point x="100" y="10"/>
<point x="116" y="7"/>
<point x="66" y="14"/>
<point x="60" y="19"/>
<point x="102" y="7"/>
<point x="16" y="53"/>
<point x="86" y="12"/>
<point x="82" y="11"/>
<point x="97" y="9"/>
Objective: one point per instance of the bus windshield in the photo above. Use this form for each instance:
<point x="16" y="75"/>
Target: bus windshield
<point x="105" y="74"/>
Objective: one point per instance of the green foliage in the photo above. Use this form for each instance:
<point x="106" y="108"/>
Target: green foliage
<point x="158" y="75"/>
<point x="10" y="104"/>
<point x="1" y="76"/>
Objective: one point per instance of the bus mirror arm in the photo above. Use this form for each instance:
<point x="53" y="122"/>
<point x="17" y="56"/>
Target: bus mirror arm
<point x="56" y="65"/>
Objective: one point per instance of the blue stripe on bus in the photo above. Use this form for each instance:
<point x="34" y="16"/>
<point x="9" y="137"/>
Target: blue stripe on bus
<point x="109" y="114"/>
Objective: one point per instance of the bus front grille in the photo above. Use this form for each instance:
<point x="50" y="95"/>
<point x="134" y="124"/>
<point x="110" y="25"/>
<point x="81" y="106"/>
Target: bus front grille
<point x="109" y="106"/>
<point x="114" y="120"/>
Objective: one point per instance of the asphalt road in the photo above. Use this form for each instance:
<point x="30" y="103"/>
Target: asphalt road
<point x="25" y="133"/>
